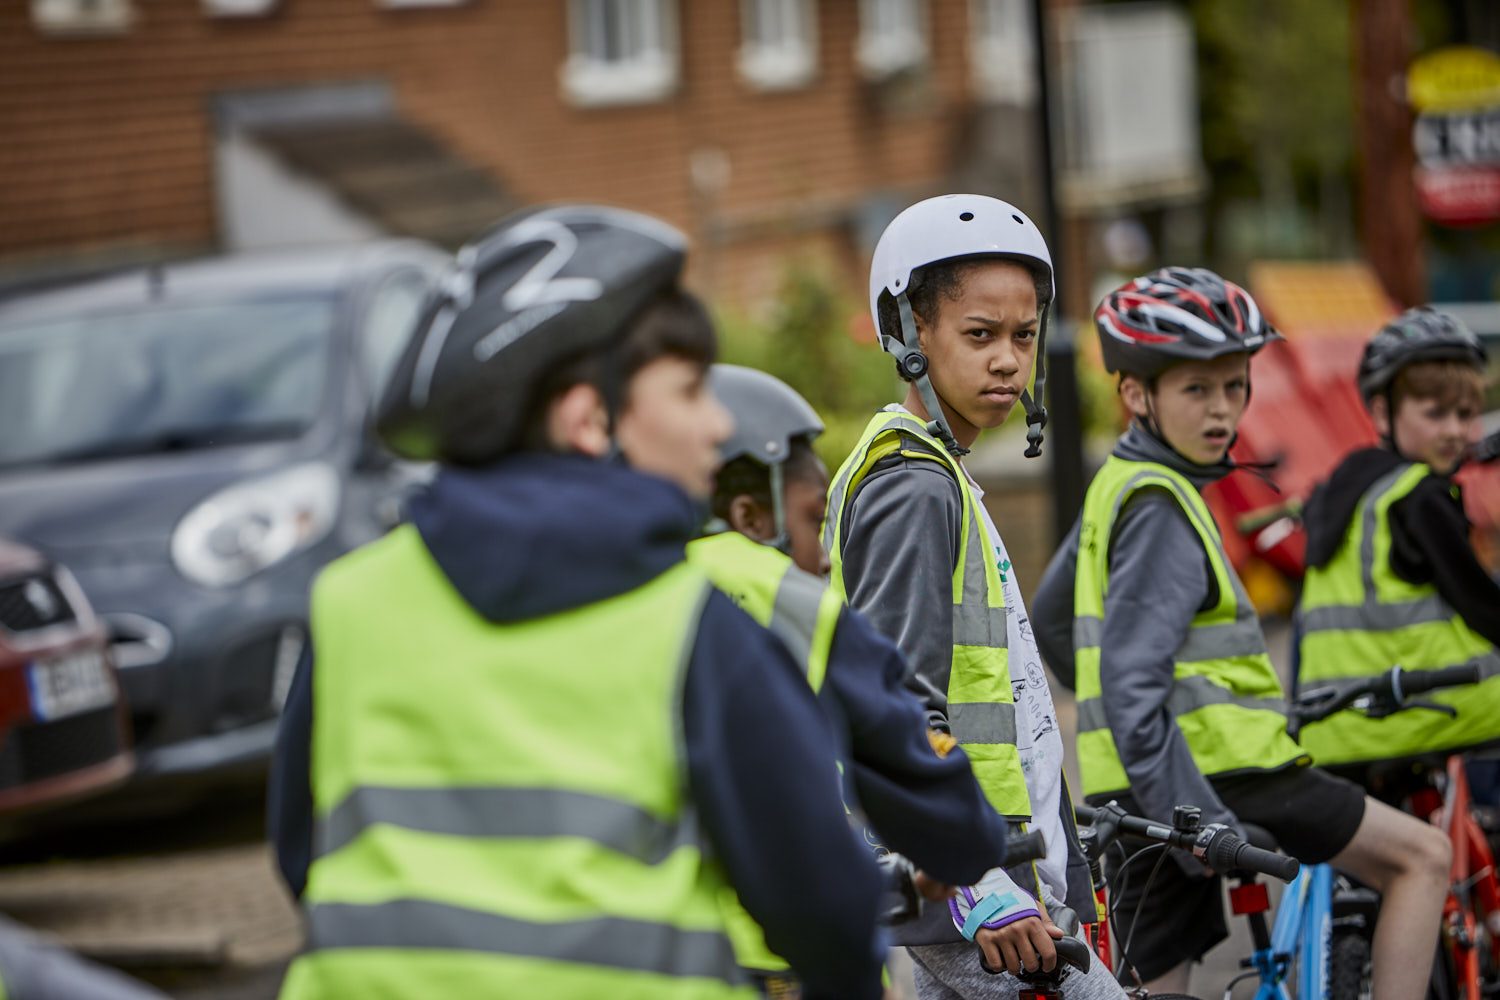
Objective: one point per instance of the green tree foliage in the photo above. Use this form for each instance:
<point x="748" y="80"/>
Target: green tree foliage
<point x="804" y="339"/>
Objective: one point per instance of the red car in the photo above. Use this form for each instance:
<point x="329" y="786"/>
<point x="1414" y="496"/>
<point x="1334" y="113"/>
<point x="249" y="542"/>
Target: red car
<point x="63" y="724"/>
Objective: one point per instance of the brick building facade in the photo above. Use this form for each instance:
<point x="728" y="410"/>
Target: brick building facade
<point x="108" y="141"/>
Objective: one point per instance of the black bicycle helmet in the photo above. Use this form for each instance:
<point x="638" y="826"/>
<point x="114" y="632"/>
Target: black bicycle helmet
<point x="1177" y="314"/>
<point x="1420" y="334"/>
<point x="532" y="292"/>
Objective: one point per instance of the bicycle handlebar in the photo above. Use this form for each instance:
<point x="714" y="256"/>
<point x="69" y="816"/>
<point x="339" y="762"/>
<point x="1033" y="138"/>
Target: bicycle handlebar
<point x="1217" y="846"/>
<point x="1388" y="693"/>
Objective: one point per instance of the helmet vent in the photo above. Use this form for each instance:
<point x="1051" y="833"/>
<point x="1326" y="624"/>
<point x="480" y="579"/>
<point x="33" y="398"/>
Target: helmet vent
<point x="1019" y="221"/>
<point x="966" y="217"/>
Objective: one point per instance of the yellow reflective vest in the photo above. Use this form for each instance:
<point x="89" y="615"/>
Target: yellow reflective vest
<point x="1225" y="695"/>
<point x="1359" y="619"/>
<point x="499" y="809"/>
<point x="981" y="706"/>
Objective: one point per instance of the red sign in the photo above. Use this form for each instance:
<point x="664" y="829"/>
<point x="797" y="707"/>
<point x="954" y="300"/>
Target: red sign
<point x="1460" y="196"/>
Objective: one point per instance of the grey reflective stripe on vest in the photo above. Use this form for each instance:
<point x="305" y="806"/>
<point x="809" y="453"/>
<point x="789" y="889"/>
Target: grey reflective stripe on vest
<point x="979" y="625"/>
<point x="507" y="812"/>
<point x="609" y="941"/>
<point x="1224" y="641"/>
<point x="1372" y="615"/>
<point x="794" y="613"/>
<point x="982" y="721"/>
<point x="1188" y="694"/>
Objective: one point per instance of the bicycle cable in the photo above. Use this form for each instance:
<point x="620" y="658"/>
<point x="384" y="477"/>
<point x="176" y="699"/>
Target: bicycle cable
<point x="1122" y="875"/>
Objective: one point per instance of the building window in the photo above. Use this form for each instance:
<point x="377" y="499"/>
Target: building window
<point x="622" y="51"/>
<point x="1002" y="51"/>
<point x="238" y="8"/>
<point x="892" y="37"/>
<point x="82" y="17"/>
<point x="779" y="47"/>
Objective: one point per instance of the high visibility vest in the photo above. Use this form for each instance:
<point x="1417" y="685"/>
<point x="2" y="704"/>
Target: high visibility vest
<point x="802" y="611"/>
<point x="799" y="608"/>
<point x="1225" y="696"/>
<point x="981" y="707"/>
<point x="500" y="810"/>
<point x="1360" y="619"/>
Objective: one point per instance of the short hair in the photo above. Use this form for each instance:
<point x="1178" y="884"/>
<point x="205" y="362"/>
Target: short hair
<point x="1449" y="383"/>
<point x="673" y="324"/>
<point x="746" y="476"/>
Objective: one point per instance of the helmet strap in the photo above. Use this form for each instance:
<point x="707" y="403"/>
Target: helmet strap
<point x="783" y="541"/>
<point x="1036" y="411"/>
<point x="912" y="364"/>
<point x="1388" y="393"/>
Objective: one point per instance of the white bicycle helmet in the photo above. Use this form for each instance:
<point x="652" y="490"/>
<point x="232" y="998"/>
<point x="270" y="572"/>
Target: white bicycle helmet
<point x="953" y="227"/>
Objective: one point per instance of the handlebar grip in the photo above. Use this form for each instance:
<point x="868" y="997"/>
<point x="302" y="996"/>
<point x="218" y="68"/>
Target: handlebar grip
<point x="1418" y="681"/>
<point x="1083" y="815"/>
<point x="1021" y="847"/>
<point x="1228" y="853"/>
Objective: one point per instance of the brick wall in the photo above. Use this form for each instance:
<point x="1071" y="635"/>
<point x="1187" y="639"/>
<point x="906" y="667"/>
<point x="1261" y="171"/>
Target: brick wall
<point x="109" y="141"/>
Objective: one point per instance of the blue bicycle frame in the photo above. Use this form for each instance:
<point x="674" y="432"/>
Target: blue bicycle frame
<point x="1304" y="920"/>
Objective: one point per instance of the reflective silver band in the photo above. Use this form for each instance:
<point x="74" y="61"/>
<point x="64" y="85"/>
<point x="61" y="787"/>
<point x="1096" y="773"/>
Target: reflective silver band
<point x="1376" y="617"/>
<point x="507" y="812"/>
<point x="1241" y="637"/>
<point x="979" y="625"/>
<point x="794" y="613"/>
<point x="610" y="941"/>
<point x="1188" y="694"/>
<point x="982" y="721"/>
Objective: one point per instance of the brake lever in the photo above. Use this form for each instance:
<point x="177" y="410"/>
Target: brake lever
<point x="1381" y="710"/>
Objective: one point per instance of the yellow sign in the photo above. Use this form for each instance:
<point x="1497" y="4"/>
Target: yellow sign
<point x="1456" y="78"/>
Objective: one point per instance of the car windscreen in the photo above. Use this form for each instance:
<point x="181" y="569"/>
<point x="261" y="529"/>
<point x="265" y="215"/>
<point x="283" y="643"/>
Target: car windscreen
<point x="162" y="379"/>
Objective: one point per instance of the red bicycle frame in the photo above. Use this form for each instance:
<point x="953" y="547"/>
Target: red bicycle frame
<point x="1098" y="933"/>
<point x="1474" y="890"/>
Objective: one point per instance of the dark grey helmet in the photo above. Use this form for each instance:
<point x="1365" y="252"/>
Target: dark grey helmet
<point x="767" y="413"/>
<point x="1420" y="334"/>
<point x="535" y="290"/>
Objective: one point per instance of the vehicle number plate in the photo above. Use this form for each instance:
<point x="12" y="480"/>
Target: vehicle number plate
<point x="69" y="685"/>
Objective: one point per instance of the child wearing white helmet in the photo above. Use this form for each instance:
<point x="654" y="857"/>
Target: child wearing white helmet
<point x="960" y="287"/>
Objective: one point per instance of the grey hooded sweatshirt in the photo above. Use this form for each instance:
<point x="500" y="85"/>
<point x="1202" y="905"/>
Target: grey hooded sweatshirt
<point x="1159" y="578"/>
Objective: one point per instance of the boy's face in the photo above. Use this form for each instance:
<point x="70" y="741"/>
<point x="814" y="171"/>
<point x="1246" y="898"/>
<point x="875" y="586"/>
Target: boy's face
<point x="1196" y="404"/>
<point x="672" y="425"/>
<point x="804" y="497"/>
<point x="982" y="343"/>
<point x="1428" y="431"/>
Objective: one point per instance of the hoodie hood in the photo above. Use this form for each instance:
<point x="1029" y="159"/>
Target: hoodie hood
<point x="1328" y="511"/>
<point x="538" y="534"/>
<point x="1139" y="445"/>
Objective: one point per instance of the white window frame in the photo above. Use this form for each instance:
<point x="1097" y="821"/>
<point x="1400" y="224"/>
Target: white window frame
<point x="784" y="62"/>
<point x="73" y="17"/>
<point x="1002" y="51"/>
<point x="238" y="8"/>
<point x="648" y="71"/>
<point x="893" y="37"/>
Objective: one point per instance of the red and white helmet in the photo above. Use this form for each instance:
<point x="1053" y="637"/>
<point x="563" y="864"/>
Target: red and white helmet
<point x="955" y="227"/>
<point x="1177" y="314"/>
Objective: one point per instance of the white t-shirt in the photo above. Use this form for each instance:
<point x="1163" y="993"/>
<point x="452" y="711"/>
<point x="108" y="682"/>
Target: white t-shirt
<point x="1037" y="737"/>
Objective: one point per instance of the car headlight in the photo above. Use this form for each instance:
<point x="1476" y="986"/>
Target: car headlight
<point x="249" y="526"/>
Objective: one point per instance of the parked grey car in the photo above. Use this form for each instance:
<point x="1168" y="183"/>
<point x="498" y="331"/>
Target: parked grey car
<point x="193" y="442"/>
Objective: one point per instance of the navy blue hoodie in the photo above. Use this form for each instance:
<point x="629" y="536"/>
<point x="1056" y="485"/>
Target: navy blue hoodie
<point x="540" y="534"/>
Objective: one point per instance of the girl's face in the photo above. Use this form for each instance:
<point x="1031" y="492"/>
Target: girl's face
<point x="1196" y="405"/>
<point x="980" y="346"/>
<point x="1428" y="431"/>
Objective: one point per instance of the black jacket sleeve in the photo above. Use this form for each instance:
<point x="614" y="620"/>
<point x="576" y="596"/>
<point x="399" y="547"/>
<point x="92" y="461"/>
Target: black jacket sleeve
<point x="289" y="802"/>
<point x="1430" y="544"/>
<point x="899" y="552"/>
<point x="763" y="775"/>
<point x="927" y="807"/>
